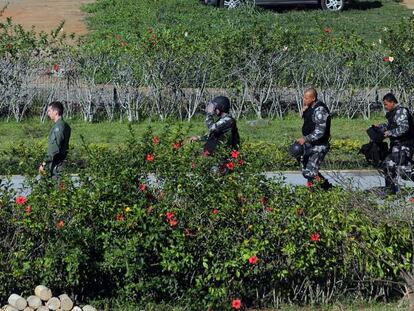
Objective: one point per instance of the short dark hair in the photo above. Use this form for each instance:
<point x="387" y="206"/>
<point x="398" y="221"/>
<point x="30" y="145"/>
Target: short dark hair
<point x="389" y="97"/>
<point x="58" y="106"/>
<point x="312" y="91"/>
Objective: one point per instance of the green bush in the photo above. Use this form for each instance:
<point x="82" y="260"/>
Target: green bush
<point x="159" y="222"/>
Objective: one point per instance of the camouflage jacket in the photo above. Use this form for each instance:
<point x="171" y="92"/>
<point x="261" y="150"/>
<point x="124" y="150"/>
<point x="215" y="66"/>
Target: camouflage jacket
<point x="317" y="124"/>
<point x="399" y="123"/>
<point x="223" y="130"/>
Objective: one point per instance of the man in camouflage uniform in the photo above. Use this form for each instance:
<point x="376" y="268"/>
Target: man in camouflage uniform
<point x="223" y="131"/>
<point x="316" y="131"/>
<point x="58" y="142"/>
<point x="400" y="131"/>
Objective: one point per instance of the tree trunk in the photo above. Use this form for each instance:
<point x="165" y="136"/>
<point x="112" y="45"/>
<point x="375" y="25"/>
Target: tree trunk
<point x="411" y="300"/>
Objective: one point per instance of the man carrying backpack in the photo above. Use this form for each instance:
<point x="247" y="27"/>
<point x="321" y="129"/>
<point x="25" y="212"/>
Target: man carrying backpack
<point x="400" y="131"/>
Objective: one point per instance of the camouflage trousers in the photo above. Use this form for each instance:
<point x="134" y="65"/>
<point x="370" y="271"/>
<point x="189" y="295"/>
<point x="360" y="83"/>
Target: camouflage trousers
<point x="397" y="163"/>
<point x="312" y="160"/>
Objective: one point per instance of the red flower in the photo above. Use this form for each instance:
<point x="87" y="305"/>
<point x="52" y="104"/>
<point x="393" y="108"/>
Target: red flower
<point x="412" y="200"/>
<point x="264" y="200"/>
<point x="62" y="186"/>
<point x="150" y="209"/>
<point x="193" y="165"/>
<point x="269" y="209"/>
<point x="327" y="30"/>
<point x="253" y="260"/>
<point x="388" y="59"/>
<point x="230" y="165"/>
<point x="120" y="217"/>
<point x="156" y="140"/>
<point x="60" y="224"/>
<point x="150" y="157"/>
<point x="143" y="187"/>
<point x="173" y="222"/>
<point x="309" y="184"/>
<point x="56" y="67"/>
<point x="170" y="215"/>
<point x="316" y="237"/>
<point x="28" y="209"/>
<point x="206" y="153"/>
<point x="215" y="211"/>
<point x="241" y="162"/>
<point x="236" y="304"/>
<point x="21" y="200"/>
<point x="235" y="154"/>
<point x="177" y="145"/>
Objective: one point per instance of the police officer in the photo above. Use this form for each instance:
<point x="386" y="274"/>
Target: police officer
<point x="316" y="131"/>
<point x="400" y="131"/>
<point x="58" y="142"/>
<point x="223" y="131"/>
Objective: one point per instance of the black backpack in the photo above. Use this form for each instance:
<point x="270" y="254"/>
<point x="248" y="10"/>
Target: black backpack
<point x="374" y="152"/>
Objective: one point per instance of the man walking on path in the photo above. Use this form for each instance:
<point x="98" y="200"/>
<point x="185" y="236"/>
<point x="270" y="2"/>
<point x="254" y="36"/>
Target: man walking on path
<point x="58" y="142"/>
<point x="316" y="131"/>
<point x="400" y="131"/>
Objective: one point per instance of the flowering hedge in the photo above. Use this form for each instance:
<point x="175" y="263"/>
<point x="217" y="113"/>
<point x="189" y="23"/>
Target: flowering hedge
<point x="159" y="221"/>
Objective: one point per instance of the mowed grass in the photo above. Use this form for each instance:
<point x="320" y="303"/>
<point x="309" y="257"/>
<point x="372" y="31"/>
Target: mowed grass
<point x="131" y="18"/>
<point x="113" y="133"/>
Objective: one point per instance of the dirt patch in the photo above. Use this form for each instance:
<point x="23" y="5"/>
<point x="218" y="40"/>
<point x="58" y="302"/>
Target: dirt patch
<point x="409" y="4"/>
<point x="46" y="15"/>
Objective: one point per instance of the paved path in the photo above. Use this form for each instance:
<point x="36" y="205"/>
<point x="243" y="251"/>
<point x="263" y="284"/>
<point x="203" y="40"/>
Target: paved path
<point x="361" y="180"/>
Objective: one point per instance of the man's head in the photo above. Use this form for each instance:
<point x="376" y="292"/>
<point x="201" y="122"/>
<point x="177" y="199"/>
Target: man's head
<point x="389" y="101"/>
<point x="55" y="110"/>
<point x="222" y="104"/>
<point x="310" y="97"/>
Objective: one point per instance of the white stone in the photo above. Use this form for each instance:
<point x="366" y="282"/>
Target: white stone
<point x="17" y="301"/>
<point x="34" y="301"/>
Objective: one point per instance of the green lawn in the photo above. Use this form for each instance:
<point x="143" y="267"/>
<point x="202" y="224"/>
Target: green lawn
<point x="270" y="131"/>
<point x="131" y="18"/>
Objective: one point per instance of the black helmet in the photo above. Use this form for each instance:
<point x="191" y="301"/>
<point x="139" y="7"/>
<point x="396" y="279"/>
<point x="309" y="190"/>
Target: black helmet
<point x="296" y="150"/>
<point x="222" y="103"/>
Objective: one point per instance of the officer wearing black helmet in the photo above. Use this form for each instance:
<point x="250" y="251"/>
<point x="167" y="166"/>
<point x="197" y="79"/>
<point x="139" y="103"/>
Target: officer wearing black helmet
<point x="316" y="131"/>
<point x="222" y="131"/>
<point x="400" y="131"/>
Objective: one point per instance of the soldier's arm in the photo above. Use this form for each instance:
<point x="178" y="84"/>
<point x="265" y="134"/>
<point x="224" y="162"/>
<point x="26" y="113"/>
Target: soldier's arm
<point x="403" y="125"/>
<point x="320" y="118"/>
